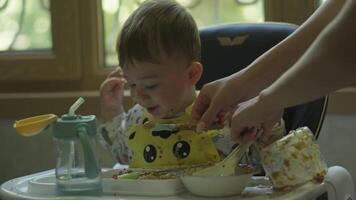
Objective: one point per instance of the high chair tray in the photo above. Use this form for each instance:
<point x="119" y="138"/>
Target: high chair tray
<point x="41" y="186"/>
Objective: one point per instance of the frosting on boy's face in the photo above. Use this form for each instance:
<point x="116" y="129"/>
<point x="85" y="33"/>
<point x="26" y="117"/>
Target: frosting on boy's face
<point x="162" y="88"/>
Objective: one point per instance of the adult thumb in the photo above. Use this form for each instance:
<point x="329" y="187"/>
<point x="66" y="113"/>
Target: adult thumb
<point x="211" y="114"/>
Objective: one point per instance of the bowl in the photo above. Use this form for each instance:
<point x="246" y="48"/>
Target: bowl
<point x="216" y="186"/>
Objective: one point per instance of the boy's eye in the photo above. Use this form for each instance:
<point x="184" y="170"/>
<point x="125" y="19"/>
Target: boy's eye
<point x="151" y="87"/>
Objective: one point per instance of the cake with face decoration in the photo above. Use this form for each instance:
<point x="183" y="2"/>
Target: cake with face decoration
<point x="293" y="159"/>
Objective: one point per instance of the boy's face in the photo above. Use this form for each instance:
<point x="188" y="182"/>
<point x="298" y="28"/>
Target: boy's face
<point x="164" y="89"/>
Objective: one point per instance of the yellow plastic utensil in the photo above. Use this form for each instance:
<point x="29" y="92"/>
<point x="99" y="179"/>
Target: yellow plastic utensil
<point x="33" y="125"/>
<point x="227" y="166"/>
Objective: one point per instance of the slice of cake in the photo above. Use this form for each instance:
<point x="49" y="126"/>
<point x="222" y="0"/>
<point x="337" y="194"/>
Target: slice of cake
<point x="293" y="159"/>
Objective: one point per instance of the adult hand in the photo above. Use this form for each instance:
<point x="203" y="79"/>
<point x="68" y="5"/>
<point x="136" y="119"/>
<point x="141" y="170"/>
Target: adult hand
<point x="111" y="95"/>
<point x="253" y="120"/>
<point x="217" y="100"/>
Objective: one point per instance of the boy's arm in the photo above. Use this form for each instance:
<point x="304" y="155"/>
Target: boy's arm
<point x="111" y="95"/>
<point x="113" y="133"/>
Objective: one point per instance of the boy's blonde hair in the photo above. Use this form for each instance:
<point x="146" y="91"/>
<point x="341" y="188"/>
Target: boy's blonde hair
<point x="158" y="28"/>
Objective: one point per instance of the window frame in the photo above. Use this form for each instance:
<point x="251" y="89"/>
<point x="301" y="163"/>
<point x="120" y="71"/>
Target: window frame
<point x="291" y="11"/>
<point x="52" y="64"/>
<point x="75" y="61"/>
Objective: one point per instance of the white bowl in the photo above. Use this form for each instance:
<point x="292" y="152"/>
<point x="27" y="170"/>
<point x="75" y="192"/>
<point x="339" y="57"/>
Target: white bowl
<point x="216" y="186"/>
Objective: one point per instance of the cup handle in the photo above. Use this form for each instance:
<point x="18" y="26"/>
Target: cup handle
<point x="91" y="164"/>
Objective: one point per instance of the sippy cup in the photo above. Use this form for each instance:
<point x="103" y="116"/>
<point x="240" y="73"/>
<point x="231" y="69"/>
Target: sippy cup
<point x="77" y="169"/>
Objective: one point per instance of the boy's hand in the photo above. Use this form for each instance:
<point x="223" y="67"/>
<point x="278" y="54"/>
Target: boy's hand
<point x="111" y="95"/>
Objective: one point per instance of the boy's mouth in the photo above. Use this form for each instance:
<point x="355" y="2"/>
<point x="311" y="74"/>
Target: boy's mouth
<point x="152" y="110"/>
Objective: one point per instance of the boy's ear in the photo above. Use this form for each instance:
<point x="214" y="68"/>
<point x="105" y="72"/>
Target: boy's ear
<point x="195" y="71"/>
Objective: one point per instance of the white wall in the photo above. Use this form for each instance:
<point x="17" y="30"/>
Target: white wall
<point x="338" y="142"/>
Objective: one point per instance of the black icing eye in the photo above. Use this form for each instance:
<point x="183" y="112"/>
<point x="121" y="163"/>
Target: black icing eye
<point x="132" y="135"/>
<point x="164" y="133"/>
<point x="149" y="153"/>
<point x="181" y="149"/>
<point x="144" y="120"/>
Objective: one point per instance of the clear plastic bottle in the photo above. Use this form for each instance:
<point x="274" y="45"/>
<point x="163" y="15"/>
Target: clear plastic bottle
<point x="77" y="169"/>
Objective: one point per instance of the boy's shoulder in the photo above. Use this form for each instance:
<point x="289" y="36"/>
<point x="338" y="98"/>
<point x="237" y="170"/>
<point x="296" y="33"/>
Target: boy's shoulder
<point x="137" y="108"/>
<point x="134" y="114"/>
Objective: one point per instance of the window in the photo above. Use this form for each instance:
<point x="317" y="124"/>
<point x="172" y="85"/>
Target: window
<point x="26" y="25"/>
<point x="39" y="40"/>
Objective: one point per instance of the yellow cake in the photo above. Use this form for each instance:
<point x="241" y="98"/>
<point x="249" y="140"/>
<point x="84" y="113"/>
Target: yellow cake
<point x="293" y="159"/>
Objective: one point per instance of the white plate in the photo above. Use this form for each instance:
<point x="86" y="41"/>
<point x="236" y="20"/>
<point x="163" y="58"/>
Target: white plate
<point x="216" y="186"/>
<point x="146" y="187"/>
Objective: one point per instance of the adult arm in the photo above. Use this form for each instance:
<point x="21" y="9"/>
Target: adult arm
<point x="329" y="64"/>
<point x="218" y="97"/>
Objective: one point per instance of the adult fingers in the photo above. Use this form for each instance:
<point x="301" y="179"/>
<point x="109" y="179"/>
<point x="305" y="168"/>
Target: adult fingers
<point x="243" y="129"/>
<point x="246" y="135"/>
<point x="201" y="103"/>
<point x="216" y="125"/>
<point x="239" y="130"/>
<point x="267" y="129"/>
<point x="213" y="113"/>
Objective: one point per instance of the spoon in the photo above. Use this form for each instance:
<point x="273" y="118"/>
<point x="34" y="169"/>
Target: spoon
<point x="227" y="166"/>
